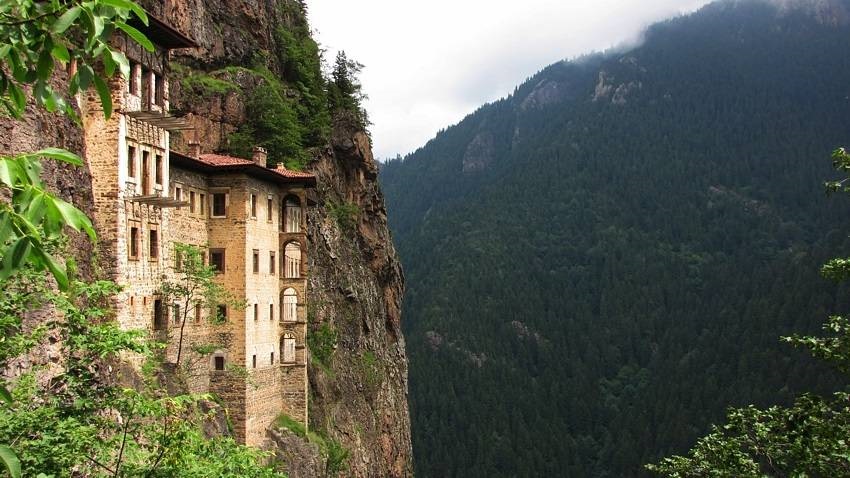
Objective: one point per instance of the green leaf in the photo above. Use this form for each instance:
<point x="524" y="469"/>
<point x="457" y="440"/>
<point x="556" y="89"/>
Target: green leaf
<point x="60" y="155"/>
<point x="127" y="5"/>
<point x="11" y="460"/>
<point x="136" y="35"/>
<point x="48" y="261"/>
<point x="74" y="217"/>
<point x="121" y="60"/>
<point x="105" y="95"/>
<point x="60" y="52"/>
<point x="65" y="21"/>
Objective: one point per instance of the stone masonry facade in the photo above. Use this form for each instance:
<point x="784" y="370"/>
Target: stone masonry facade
<point x="248" y="219"/>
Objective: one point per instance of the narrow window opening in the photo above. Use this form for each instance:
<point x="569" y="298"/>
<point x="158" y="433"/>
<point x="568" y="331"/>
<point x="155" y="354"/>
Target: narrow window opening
<point x="131" y="161"/>
<point x="153" y="244"/>
<point x="158" y="169"/>
<point x="219" y="208"/>
<point x="254" y="205"/>
<point x="219" y="362"/>
<point x="255" y="258"/>
<point x="134" y="243"/>
<point x="192" y="202"/>
<point x="269" y="209"/>
<point x="272" y="262"/>
<point x="146" y="173"/>
<point x="217" y="260"/>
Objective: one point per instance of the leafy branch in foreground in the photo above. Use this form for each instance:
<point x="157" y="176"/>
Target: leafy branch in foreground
<point x="35" y="36"/>
<point x="34" y="216"/>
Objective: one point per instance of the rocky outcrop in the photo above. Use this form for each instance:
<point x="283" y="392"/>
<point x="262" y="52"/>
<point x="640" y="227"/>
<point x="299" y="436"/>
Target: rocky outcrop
<point x="479" y="153"/>
<point x="356" y="286"/>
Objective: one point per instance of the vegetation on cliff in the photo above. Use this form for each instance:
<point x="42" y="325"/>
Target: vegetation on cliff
<point x="600" y="264"/>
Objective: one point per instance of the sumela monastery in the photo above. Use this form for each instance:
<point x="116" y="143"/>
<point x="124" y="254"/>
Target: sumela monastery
<point x="247" y="218"/>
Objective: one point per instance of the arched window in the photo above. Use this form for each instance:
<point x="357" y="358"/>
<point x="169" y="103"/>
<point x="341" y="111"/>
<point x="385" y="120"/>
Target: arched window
<point x="292" y="261"/>
<point x="292" y="215"/>
<point x="290" y="305"/>
<point x="287" y="346"/>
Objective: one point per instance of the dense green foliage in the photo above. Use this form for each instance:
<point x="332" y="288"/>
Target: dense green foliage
<point x="290" y="104"/>
<point x="618" y="272"/>
<point x="808" y="438"/>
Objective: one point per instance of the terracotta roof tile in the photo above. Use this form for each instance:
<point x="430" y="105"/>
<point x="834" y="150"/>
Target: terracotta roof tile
<point x="222" y="160"/>
<point x="291" y="174"/>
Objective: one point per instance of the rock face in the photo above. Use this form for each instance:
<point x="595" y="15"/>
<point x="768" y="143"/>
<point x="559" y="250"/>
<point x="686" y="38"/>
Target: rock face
<point x="356" y="284"/>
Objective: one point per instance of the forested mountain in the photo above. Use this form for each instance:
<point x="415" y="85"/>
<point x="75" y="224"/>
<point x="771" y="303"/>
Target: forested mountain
<point x="602" y="262"/>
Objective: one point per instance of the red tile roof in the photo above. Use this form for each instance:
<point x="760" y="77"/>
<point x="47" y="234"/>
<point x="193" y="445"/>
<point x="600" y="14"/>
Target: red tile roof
<point x="229" y="163"/>
<point x="222" y="160"/>
<point x="290" y="173"/>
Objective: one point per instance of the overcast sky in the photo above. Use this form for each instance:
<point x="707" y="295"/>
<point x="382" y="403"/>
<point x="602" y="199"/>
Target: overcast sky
<point x="430" y="63"/>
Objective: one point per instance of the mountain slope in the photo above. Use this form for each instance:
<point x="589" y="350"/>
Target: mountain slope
<point x="600" y="263"/>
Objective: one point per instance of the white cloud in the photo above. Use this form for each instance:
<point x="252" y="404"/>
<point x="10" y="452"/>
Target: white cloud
<point x="428" y="64"/>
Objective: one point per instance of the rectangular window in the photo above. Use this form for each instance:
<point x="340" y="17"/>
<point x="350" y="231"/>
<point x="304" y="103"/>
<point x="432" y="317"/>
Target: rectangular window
<point x="146" y="173"/>
<point x="256" y="312"/>
<point x="272" y="262"/>
<point x="254" y="205"/>
<point x="217" y="260"/>
<point x="203" y="204"/>
<point x="272" y="358"/>
<point x="271" y="311"/>
<point x="197" y="312"/>
<point x="134" y="243"/>
<point x="131" y="161"/>
<point x="159" y="90"/>
<point x="256" y="261"/>
<point x="158" y="170"/>
<point x="269" y="209"/>
<point x="219" y="205"/>
<point x="219" y="363"/>
<point x="192" y="202"/>
<point x="254" y="361"/>
<point x="153" y="244"/>
<point x="178" y="193"/>
<point x="221" y="312"/>
<point x="176" y="311"/>
<point x="133" y="84"/>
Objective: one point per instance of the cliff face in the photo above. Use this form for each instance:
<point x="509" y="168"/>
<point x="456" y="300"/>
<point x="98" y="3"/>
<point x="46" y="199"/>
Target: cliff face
<point x="358" y="366"/>
<point x="356" y="287"/>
